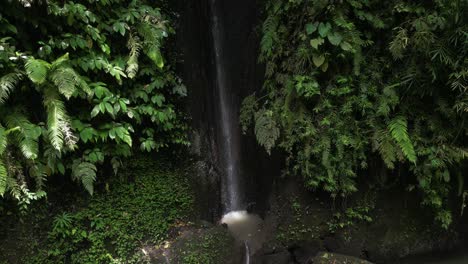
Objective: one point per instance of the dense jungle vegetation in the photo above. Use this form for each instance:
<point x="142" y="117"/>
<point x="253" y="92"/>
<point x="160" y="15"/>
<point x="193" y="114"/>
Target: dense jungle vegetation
<point x="356" y="85"/>
<point x="93" y="116"/>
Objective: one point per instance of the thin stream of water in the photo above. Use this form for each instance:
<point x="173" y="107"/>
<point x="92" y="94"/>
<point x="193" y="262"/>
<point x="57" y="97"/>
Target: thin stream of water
<point x="230" y="135"/>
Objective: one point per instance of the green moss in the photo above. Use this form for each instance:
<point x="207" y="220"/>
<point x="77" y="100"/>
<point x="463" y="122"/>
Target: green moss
<point x="211" y="246"/>
<point x="134" y="210"/>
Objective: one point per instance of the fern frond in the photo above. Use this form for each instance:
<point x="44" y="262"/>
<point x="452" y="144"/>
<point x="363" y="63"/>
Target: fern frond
<point x="67" y="81"/>
<point x="58" y="124"/>
<point x="398" y="128"/>
<point x="132" y="64"/>
<point x="3" y="139"/>
<point x="249" y="106"/>
<point x="25" y="133"/>
<point x="269" y="34"/>
<point x="266" y="129"/>
<point x="37" y="70"/>
<point x="8" y="82"/>
<point x="60" y="61"/>
<point x="382" y="142"/>
<point x="3" y="178"/>
<point x="86" y="173"/>
<point x="152" y="42"/>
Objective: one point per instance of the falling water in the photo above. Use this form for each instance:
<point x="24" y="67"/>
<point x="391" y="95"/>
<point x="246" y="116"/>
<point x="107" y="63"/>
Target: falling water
<point x="228" y="126"/>
<point x="247" y="252"/>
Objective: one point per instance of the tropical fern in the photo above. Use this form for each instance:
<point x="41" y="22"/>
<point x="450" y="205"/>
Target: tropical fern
<point x="152" y="42"/>
<point x="132" y="63"/>
<point x="398" y="128"/>
<point x="383" y="142"/>
<point x="58" y="122"/>
<point x="269" y="34"/>
<point x="85" y="172"/>
<point x="8" y="82"/>
<point x="37" y="70"/>
<point x="3" y="178"/>
<point x="249" y="106"/>
<point x="25" y="133"/>
<point x="3" y="139"/>
<point x="266" y="129"/>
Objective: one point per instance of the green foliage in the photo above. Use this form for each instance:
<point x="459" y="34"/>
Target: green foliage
<point x="361" y="82"/>
<point x="399" y="130"/>
<point x="86" y="173"/>
<point x="117" y="224"/>
<point x="113" y="88"/>
<point x="210" y="247"/>
<point x="349" y="217"/>
<point x="266" y="129"/>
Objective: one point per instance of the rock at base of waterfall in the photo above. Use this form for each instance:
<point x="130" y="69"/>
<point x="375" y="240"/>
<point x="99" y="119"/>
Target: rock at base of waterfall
<point x="327" y="258"/>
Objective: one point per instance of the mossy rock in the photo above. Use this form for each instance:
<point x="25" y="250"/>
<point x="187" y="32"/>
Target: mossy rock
<point x="328" y="258"/>
<point x="205" y="246"/>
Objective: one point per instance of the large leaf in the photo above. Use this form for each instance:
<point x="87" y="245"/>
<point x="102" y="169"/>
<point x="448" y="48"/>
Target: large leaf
<point x="335" y="38"/>
<point x="318" y="60"/>
<point x="315" y="43"/>
<point x="324" y="28"/>
<point x="311" y="27"/>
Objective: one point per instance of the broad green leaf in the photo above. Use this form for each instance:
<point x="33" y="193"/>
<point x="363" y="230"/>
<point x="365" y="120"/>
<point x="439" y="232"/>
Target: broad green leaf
<point x="346" y="46"/>
<point x="123" y="105"/>
<point x="102" y="107"/>
<point x="315" y="43"/>
<point x="324" y="67"/>
<point x="87" y="134"/>
<point x="109" y="108"/>
<point x="318" y="60"/>
<point x="61" y="168"/>
<point x="112" y="134"/>
<point x="311" y="27"/>
<point x="324" y="28"/>
<point x="335" y="38"/>
<point x="95" y="111"/>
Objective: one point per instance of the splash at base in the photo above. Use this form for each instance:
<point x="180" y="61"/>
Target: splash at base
<point x="245" y="227"/>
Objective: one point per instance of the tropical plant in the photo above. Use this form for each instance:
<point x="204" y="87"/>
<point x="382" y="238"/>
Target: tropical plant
<point x="110" y="93"/>
<point x="346" y="80"/>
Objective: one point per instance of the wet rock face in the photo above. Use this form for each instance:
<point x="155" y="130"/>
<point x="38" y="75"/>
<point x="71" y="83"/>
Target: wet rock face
<point x="299" y="227"/>
<point x="240" y="21"/>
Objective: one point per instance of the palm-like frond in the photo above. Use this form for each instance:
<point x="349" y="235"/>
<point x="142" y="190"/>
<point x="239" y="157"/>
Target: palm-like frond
<point x="152" y="42"/>
<point x="37" y="70"/>
<point x="66" y="79"/>
<point x="25" y="133"/>
<point x="266" y="130"/>
<point x="3" y="178"/>
<point x="58" y="124"/>
<point x="8" y="83"/>
<point x="86" y="173"/>
<point x="132" y="64"/>
<point x="3" y="139"/>
<point x="398" y="128"/>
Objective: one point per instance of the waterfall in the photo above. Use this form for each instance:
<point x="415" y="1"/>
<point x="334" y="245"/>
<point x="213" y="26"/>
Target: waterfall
<point x="229" y="133"/>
